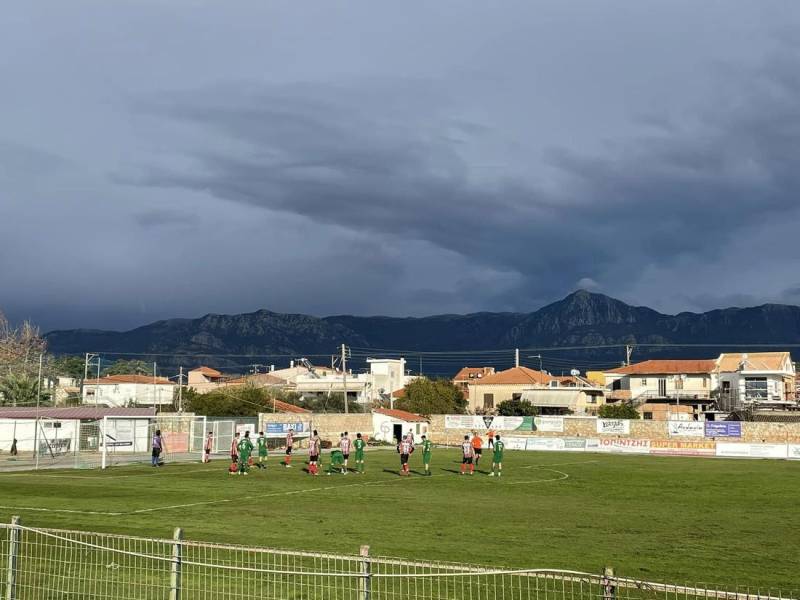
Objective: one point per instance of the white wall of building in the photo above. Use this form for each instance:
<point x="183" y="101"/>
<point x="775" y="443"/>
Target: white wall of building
<point x="129" y="394"/>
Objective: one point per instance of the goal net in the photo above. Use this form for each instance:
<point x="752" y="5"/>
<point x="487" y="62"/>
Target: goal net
<point x="128" y="440"/>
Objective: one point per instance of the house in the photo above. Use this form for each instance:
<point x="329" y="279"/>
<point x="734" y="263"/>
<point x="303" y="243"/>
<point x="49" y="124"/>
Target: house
<point x="566" y="395"/>
<point x="467" y="375"/>
<point x="665" y="389"/>
<point x="388" y="425"/>
<point x="129" y="390"/>
<point x="766" y="379"/>
<point x="383" y="377"/>
<point x="204" y="379"/>
<point x="487" y="392"/>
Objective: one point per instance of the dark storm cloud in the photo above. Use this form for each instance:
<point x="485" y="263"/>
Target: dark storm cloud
<point x="687" y="190"/>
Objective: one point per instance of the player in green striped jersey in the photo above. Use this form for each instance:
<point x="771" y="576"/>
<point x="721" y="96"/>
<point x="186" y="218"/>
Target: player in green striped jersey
<point x="359" y="444"/>
<point x="427" y="450"/>
<point x="497" y="457"/>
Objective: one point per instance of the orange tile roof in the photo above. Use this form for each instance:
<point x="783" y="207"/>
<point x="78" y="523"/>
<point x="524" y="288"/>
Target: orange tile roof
<point x="470" y="373"/>
<point x="208" y="371"/>
<point x="281" y="406"/>
<point x="142" y="379"/>
<point x="399" y="393"/>
<point x="659" y="367"/>
<point x="402" y="415"/>
<point x="514" y="376"/>
<point x="755" y="361"/>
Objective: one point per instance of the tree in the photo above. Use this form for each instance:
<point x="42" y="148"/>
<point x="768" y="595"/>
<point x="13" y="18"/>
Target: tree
<point x="68" y="366"/>
<point x="620" y="410"/>
<point x="129" y="367"/>
<point x="21" y="390"/>
<point x="517" y="408"/>
<point x="20" y="348"/>
<point x="232" y="401"/>
<point x="432" y="396"/>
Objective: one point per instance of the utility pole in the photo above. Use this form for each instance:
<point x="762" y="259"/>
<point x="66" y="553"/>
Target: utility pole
<point x="154" y="386"/>
<point x="628" y="352"/>
<point x="180" y="390"/>
<point x="516" y="357"/>
<point x="38" y="404"/>
<point x="344" y="376"/>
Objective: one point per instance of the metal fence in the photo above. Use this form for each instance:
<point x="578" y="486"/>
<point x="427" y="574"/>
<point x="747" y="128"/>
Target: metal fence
<point x="50" y="563"/>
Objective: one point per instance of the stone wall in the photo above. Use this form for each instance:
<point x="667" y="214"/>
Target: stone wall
<point x="331" y="425"/>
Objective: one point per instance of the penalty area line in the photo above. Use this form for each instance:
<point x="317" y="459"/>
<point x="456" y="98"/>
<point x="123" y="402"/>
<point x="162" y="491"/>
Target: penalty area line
<point x="63" y="510"/>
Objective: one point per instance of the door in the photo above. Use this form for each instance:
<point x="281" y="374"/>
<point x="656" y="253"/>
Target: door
<point x="398" y="431"/>
<point x="662" y="387"/>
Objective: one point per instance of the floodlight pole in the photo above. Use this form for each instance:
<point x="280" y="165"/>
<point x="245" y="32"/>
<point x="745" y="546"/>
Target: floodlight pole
<point x="344" y="376"/>
<point x="38" y="404"/>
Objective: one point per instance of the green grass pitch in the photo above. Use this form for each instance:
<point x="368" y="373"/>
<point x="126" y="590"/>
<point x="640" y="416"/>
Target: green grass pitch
<point x="672" y="519"/>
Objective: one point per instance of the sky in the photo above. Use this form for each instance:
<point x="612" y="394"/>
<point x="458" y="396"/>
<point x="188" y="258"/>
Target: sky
<point x="173" y="159"/>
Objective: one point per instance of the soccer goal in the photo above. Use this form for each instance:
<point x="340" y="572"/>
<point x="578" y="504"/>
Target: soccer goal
<point x="129" y="440"/>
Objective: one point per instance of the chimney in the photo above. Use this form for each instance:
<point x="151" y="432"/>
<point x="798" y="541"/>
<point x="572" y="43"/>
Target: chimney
<point x="272" y="368"/>
<point x="291" y="364"/>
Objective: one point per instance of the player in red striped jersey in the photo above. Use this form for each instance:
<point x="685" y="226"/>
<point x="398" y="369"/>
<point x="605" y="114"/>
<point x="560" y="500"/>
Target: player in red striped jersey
<point x="404" y="448"/>
<point x="314" y="446"/>
<point x="468" y="454"/>
<point x="287" y="462"/>
<point x="344" y="446"/>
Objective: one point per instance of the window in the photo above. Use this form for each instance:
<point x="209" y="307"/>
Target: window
<point x="648" y="416"/>
<point x="516" y="396"/>
<point x="678" y="382"/>
<point x="705" y="382"/>
<point x="488" y="401"/>
<point x="590" y="399"/>
<point x="644" y="381"/>
<point x="553" y="384"/>
<point x="617" y="384"/>
<point x="755" y="388"/>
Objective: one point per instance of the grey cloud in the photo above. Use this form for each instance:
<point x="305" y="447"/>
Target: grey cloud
<point x="687" y="191"/>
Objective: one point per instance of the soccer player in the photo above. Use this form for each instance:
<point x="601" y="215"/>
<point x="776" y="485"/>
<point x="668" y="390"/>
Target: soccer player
<point x="468" y="453"/>
<point x="245" y="447"/>
<point x="208" y="446"/>
<point x="235" y="449"/>
<point x="158" y="446"/>
<point x="263" y="453"/>
<point x="497" y="457"/>
<point x="359" y="445"/>
<point x="344" y="446"/>
<point x="314" y="444"/>
<point x="490" y="437"/>
<point x="337" y="461"/>
<point x="404" y="448"/>
<point x="427" y="449"/>
<point x="287" y="462"/>
<point x="477" y="447"/>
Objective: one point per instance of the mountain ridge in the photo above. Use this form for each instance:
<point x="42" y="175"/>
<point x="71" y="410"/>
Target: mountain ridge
<point x="580" y="319"/>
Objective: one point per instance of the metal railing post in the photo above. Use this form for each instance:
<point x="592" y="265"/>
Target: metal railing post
<point x="365" y="583"/>
<point x="609" y="584"/>
<point x="175" y="571"/>
<point x="102" y="436"/>
<point x="13" y="556"/>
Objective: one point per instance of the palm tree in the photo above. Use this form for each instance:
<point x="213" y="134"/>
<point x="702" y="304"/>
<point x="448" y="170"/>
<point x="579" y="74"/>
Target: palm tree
<point x="20" y="390"/>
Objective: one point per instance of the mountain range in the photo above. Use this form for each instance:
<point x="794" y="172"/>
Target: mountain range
<point x="581" y="319"/>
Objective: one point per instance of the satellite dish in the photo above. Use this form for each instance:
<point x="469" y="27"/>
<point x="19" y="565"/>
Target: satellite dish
<point x="574" y="372"/>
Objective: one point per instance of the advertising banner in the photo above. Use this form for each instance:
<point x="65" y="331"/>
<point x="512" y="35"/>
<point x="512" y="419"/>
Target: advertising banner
<point x="592" y="444"/>
<point x="794" y="451"/>
<point x="686" y="428"/>
<point x="752" y="450"/>
<point x="515" y="443"/>
<point x="555" y="424"/>
<point x="175" y="442"/>
<point x="625" y="445"/>
<point x="683" y="447"/>
<point x="613" y="426"/>
<point x="723" y="429"/>
<point x="486" y="422"/>
<point x="575" y="444"/>
<point x="545" y="443"/>
<point x="281" y="429"/>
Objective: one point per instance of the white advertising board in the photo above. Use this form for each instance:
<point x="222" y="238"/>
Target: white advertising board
<point x="487" y="422"/>
<point x="515" y="443"/>
<point x="686" y="428"/>
<point x="554" y="424"/>
<point x="794" y="451"/>
<point x="752" y="450"/>
<point x="614" y="426"/>
<point x="545" y="443"/>
<point x="624" y="445"/>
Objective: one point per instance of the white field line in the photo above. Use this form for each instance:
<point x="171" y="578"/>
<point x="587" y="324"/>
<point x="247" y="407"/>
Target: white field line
<point x="562" y="476"/>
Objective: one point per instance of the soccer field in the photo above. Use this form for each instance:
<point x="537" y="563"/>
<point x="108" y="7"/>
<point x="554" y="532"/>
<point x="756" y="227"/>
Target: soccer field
<point x="672" y="519"/>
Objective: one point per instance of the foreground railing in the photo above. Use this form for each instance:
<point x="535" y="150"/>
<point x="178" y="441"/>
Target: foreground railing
<point x="50" y="563"/>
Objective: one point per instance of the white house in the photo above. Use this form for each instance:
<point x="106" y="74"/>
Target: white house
<point x="689" y="379"/>
<point x="758" y="377"/>
<point x="384" y="377"/>
<point x="129" y="390"/>
<point x="388" y="425"/>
